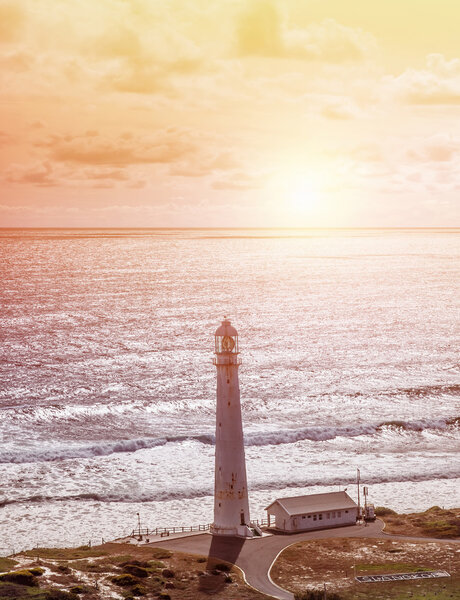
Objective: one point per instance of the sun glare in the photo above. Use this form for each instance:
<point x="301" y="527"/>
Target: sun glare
<point x="301" y="196"/>
<point x="297" y="198"/>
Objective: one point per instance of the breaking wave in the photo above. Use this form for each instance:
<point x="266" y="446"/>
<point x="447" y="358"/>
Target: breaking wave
<point x="269" y="438"/>
<point x="190" y="493"/>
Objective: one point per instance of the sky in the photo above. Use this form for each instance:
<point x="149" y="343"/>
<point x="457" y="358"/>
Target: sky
<point x="229" y="113"/>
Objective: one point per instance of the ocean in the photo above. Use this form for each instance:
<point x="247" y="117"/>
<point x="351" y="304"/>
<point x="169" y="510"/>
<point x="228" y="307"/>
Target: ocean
<point x="349" y="343"/>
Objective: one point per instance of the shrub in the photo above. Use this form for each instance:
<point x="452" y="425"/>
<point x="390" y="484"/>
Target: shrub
<point x="59" y="595"/>
<point x="136" y="570"/>
<point x="168" y="573"/>
<point x="316" y="595"/>
<point x="383" y="511"/>
<point x="125" y="580"/>
<point x="202" y="559"/>
<point x="6" y="564"/>
<point x="223" y="567"/>
<point x="156" y="564"/>
<point x="37" y="571"/>
<point x="137" y="563"/>
<point x="442" y="529"/>
<point x="138" y="590"/>
<point x="23" y="577"/>
<point x="160" y="553"/>
<point x="433" y="509"/>
<point x="64" y="569"/>
<point x="79" y="589"/>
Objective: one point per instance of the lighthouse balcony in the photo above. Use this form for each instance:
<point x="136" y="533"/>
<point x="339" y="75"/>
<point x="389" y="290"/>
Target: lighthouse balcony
<point x="226" y="359"/>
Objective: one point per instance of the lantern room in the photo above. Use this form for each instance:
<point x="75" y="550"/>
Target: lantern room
<point x="226" y="339"/>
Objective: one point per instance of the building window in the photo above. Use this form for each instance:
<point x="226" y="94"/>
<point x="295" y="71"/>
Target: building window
<point x="309" y="516"/>
<point x="303" y="516"/>
<point x="321" y="517"/>
<point x="314" y="517"/>
<point x="328" y="515"/>
<point x="346" y="511"/>
<point x="339" y="514"/>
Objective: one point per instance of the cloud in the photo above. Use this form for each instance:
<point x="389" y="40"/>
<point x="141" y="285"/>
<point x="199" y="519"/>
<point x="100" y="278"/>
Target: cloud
<point x="143" y="61"/>
<point x="441" y="148"/>
<point x="92" y="148"/>
<point x="202" y="164"/>
<point x="437" y="84"/>
<point x="237" y="181"/>
<point x="12" y="19"/>
<point x="340" y="109"/>
<point x="38" y="174"/>
<point x="260" y="31"/>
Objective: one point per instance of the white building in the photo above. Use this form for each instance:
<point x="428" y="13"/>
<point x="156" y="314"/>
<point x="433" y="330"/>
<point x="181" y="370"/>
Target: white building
<point x="231" y="505"/>
<point x="315" y="511"/>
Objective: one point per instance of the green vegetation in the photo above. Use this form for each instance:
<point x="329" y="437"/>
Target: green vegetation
<point x="6" y="564"/>
<point x="157" y="564"/>
<point x="14" y="591"/>
<point x="124" y="580"/>
<point x="389" y="568"/>
<point x="37" y="571"/>
<point x="136" y="570"/>
<point x="64" y="569"/>
<point x="79" y="589"/>
<point x="383" y="511"/>
<point x="138" y="590"/>
<point x="23" y="577"/>
<point x="435" y="522"/>
<point x="66" y="553"/>
<point x="159" y="553"/>
<point x="316" y="595"/>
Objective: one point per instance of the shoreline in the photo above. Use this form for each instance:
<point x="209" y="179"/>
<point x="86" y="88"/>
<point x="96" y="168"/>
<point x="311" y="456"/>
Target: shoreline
<point x="182" y="566"/>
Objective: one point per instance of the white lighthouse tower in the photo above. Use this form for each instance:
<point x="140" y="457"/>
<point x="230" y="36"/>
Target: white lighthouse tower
<point x="231" y="505"/>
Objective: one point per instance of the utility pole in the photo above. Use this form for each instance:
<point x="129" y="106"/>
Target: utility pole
<point x="139" y="522"/>
<point x="365" y="491"/>
<point x="325" y="592"/>
<point x="358" y="476"/>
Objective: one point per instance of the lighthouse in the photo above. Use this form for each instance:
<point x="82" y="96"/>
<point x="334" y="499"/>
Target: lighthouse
<point x="231" y="505"/>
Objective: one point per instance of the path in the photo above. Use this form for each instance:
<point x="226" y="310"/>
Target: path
<point x="256" y="556"/>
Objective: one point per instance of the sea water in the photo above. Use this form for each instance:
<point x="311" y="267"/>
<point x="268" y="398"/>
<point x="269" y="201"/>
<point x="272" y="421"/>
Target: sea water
<point x="349" y="344"/>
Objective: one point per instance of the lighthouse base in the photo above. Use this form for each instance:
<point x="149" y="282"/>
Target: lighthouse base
<point x="242" y="531"/>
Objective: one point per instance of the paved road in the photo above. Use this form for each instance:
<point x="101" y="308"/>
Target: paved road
<point x="255" y="556"/>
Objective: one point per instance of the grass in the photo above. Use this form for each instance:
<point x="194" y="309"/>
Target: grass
<point x="14" y="591"/>
<point x="66" y="553"/>
<point x="435" y="522"/>
<point x="6" y="564"/>
<point x="388" y="568"/>
<point x="176" y="576"/>
<point x="308" y="565"/>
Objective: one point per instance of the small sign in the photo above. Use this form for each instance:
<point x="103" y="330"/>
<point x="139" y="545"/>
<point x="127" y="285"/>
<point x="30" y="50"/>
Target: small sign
<point x="402" y="576"/>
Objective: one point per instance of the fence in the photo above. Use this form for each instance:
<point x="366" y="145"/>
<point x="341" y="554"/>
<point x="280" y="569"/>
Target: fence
<point x="167" y="530"/>
<point x="164" y="531"/>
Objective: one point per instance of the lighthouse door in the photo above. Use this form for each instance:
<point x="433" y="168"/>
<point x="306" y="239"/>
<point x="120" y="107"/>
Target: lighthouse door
<point x="242" y="518"/>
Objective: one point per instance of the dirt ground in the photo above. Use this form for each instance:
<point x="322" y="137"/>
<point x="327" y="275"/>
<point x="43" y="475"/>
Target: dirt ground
<point x="170" y="575"/>
<point x="335" y="562"/>
<point x="434" y="522"/>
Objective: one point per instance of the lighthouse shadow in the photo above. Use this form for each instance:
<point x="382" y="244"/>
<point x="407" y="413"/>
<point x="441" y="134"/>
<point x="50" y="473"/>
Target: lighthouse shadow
<point x="226" y="549"/>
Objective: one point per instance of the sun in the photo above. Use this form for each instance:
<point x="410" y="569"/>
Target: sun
<point x="301" y="196"/>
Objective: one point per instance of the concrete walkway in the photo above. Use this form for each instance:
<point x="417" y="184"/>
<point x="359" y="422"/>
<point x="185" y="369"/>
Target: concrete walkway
<point x="256" y="556"/>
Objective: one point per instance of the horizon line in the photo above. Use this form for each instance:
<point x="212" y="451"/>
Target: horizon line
<point x="258" y="228"/>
